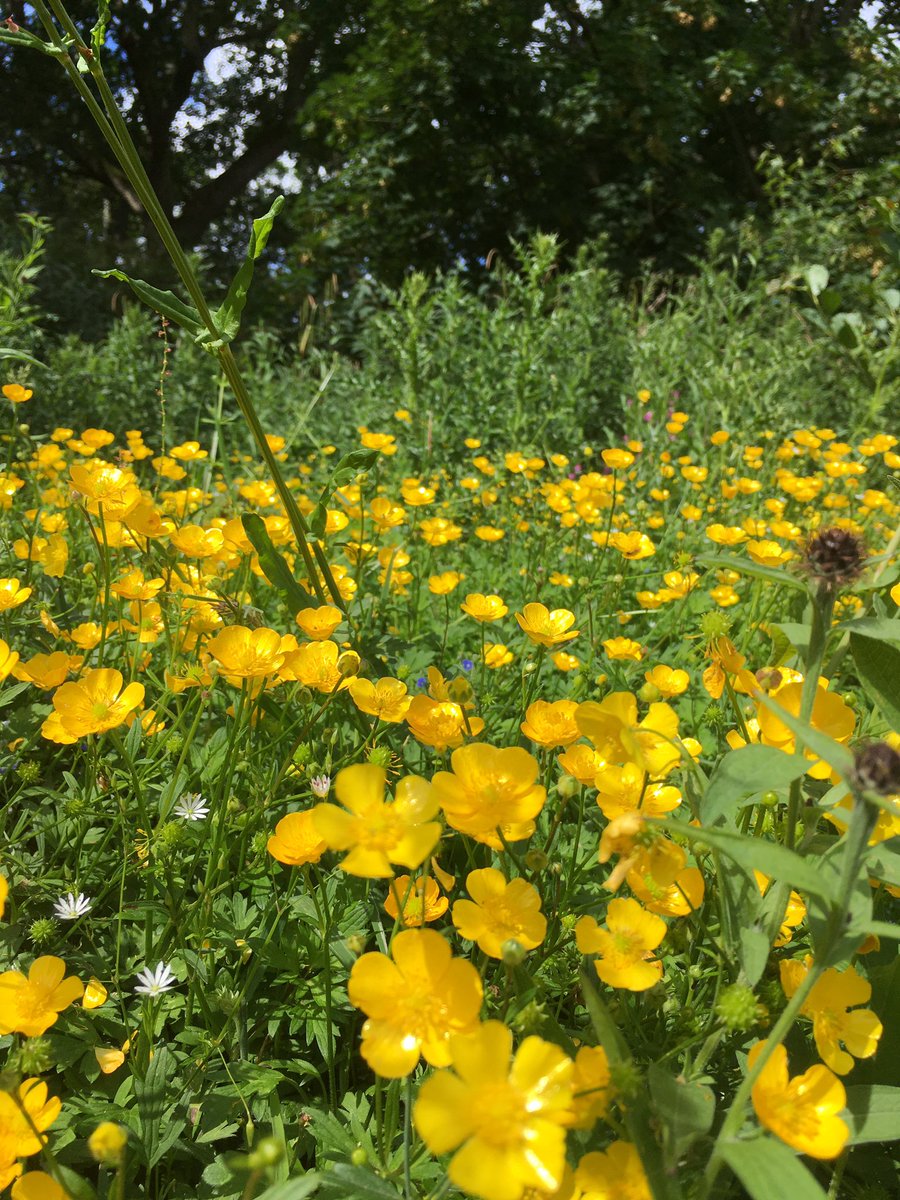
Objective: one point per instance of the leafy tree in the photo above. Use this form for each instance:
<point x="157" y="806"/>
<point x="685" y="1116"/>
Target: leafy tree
<point x="416" y="133"/>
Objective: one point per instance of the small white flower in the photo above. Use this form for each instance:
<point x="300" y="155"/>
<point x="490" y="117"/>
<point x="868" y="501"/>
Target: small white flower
<point x="71" y="907"/>
<point x="192" y="807"/>
<point x="321" y="786"/>
<point x="154" y="983"/>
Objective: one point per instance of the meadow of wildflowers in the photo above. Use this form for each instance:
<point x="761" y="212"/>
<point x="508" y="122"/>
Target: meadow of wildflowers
<point x="495" y="819"/>
<point x="539" y="843"/>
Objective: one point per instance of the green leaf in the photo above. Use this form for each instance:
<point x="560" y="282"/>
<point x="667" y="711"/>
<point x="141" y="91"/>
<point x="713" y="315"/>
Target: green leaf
<point x="345" y="1181"/>
<point x="150" y="1093"/>
<point x="881" y="629"/>
<point x="605" y="1028"/>
<point x="293" y="1189"/>
<point x="345" y="472"/>
<point x="878" y="668"/>
<point x="883" y="861"/>
<point x="884" y="929"/>
<point x="874" y="1113"/>
<point x="9" y="694"/>
<point x="770" y="1171"/>
<point x="20" y="356"/>
<point x="227" y="318"/>
<point x="98" y="33"/>
<point x="274" y="564"/>
<point x="76" y="1187"/>
<point x="757" y="854"/>
<point x="745" y="773"/>
<point x="685" y="1109"/>
<point x="816" y="279"/>
<point x="166" y="303"/>
<point x="797" y="634"/>
<point x="746" y="566"/>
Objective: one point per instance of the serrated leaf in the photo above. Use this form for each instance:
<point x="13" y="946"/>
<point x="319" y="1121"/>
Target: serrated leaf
<point x="227" y="317"/>
<point x="746" y="566"/>
<point x="816" y="279"/>
<point x="745" y="773"/>
<point x="166" y="303"/>
<point x="274" y="564"/>
<point x="770" y="1171"/>
<point x="878" y="667"/>
<point x="757" y="854"/>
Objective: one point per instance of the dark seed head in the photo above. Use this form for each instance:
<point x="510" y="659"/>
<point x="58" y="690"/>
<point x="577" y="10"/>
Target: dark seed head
<point x="876" y="768"/>
<point x="835" y="557"/>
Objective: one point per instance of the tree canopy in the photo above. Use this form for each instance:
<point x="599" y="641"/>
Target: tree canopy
<point x="425" y="133"/>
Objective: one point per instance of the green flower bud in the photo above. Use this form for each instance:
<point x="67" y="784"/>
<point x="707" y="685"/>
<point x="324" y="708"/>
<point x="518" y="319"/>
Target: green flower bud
<point x="737" y="1008"/>
<point x="42" y="931"/>
<point x="513" y="953"/>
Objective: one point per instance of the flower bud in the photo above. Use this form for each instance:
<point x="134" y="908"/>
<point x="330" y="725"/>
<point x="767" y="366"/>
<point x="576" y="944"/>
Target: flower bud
<point x="512" y="953"/>
<point x="107" y="1143"/>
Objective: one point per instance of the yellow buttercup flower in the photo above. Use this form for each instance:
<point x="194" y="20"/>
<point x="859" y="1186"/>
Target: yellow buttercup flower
<point x="97" y="702"/>
<point x="8" y="660"/>
<point x="245" y="653"/>
<point x="623" y="648"/>
<point x="827" y="1005"/>
<point x="484" y="608"/>
<point x="445" y="583"/>
<point x="16" y="394"/>
<point x="508" y="1119"/>
<point x="296" y="840"/>
<point x="617" y="460"/>
<point x="545" y="627"/>
<point x="491" y="790"/>
<point x="802" y="1111"/>
<point x="320" y="666"/>
<point x="31" y="1004"/>
<point x="499" y="912"/>
<point x="551" y="724"/>
<point x="668" y="681"/>
<point x="415" y="1001"/>
<point x="12" y="594"/>
<point x="626" y="788"/>
<point x="386" y="699"/>
<point x="4" y="892"/>
<point x="196" y="542"/>
<point x="440" y="723"/>
<point x="615" y="1173"/>
<point x="582" y="763"/>
<point x="592" y="1085"/>
<point x="376" y="833"/>
<point x="497" y="655"/>
<point x="420" y="898"/>
<point x="21" y="1131"/>
<point x="830" y="714"/>
<point x="95" y="994"/>
<point x="625" y="945"/>
<point x="37" y="1185"/>
<point x="613" y="727"/>
<point x="318" y="624"/>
